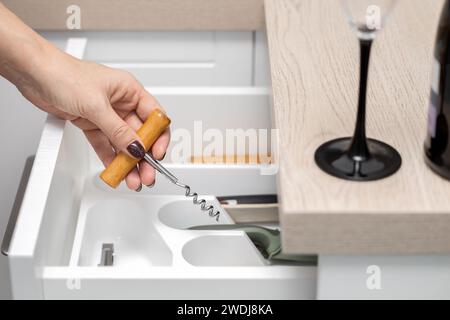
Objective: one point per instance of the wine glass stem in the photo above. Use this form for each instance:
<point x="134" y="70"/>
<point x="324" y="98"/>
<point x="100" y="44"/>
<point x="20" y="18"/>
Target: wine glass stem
<point x="359" y="149"/>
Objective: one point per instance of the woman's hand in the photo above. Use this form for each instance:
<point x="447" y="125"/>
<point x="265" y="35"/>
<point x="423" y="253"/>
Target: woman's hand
<point x="107" y="104"/>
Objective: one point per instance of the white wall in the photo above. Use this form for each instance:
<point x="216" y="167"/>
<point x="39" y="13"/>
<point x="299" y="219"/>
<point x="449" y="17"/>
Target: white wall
<point x="20" y="129"/>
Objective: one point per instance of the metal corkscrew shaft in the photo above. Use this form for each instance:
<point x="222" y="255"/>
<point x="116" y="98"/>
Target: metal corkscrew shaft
<point x="153" y="127"/>
<point x="212" y="212"/>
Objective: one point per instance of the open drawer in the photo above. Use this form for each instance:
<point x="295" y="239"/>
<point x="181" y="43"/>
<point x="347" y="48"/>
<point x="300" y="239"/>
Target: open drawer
<point x="70" y="221"/>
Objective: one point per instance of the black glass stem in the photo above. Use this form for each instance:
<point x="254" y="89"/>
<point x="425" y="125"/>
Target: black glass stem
<point x="359" y="158"/>
<point x="359" y="148"/>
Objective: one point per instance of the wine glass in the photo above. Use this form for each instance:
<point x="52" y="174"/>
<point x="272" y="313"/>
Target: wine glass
<point x="359" y="158"/>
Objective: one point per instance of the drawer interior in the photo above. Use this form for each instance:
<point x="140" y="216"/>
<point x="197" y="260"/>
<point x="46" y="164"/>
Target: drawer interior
<point x="207" y="58"/>
<point x="149" y="229"/>
<point x="155" y="256"/>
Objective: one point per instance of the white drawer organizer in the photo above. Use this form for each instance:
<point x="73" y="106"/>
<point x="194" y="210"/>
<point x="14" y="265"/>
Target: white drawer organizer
<point x="67" y="215"/>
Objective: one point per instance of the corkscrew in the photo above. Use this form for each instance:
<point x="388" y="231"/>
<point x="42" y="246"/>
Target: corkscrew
<point x="122" y="164"/>
<point x="195" y="199"/>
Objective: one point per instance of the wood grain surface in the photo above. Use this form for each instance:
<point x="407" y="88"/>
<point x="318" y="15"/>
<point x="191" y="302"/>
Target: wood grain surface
<point x="143" y="14"/>
<point x="315" y="72"/>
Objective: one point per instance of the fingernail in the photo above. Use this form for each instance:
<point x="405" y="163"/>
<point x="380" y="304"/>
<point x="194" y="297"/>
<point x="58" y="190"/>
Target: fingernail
<point x="151" y="185"/>
<point x="139" y="189"/>
<point x="162" y="158"/>
<point x="136" y="149"/>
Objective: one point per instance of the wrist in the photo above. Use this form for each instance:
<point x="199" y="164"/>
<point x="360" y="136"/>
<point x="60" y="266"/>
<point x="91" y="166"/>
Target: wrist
<point x="22" y="58"/>
<point x="34" y="63"/>
<point x="23" y="52"/>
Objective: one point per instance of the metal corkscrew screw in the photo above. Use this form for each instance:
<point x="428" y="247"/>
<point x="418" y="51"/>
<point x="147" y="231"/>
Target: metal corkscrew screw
<point x="122" y="164"/>
<point x="212" y="212"/>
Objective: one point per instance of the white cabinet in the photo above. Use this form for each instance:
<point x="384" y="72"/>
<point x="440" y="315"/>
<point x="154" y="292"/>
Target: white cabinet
<point x="68" y="214"/>
<point x="384" y="277"/>
<point x="172" y="58"/>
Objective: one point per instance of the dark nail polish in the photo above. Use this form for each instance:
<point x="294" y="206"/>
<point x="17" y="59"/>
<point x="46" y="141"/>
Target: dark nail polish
<point x="164" y="155"/>
<point x="139" y="189"/>
<point x="136" y="150"/>
<point x="151" y="185"/>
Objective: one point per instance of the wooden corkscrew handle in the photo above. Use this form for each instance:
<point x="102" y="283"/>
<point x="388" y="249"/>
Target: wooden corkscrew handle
<point x="122" y="164"/>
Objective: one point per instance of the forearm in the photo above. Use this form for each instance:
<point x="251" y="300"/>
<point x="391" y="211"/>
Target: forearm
<point x="21" y="49"/>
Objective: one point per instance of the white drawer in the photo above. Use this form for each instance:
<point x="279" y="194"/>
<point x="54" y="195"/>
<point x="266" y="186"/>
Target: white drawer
<point x="67" y="214"/>
<point x="64" y="198"/>
<point x="172" y="58"/>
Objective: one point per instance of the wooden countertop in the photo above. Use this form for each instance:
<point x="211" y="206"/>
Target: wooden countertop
<point x="314" y="61"/>
<point x="143" y="14"/>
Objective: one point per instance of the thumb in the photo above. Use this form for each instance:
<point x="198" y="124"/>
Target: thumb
<point x="120" y="134"/>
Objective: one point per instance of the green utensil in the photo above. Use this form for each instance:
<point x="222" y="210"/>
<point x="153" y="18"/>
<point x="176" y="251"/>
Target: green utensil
<point x="267" y="241"/>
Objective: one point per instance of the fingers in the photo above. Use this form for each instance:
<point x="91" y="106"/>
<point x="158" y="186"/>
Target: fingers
<point x="104" y="149"/>
<point x="119" y="133"/>
<point x="133" y="180"/>
<point x="101" y="145"/>
<point x="106" y="154"/>
<point x="160" y="146"/>
<point x="147" y="174"/>
<point x="147" y="103"/>
<point x="146" y="171"/>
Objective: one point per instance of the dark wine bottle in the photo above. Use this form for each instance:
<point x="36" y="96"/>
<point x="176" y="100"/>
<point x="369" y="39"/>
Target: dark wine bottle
<point x="437" y="147"/>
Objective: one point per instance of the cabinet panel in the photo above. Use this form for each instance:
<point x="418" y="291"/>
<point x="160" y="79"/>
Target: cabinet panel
<point x="261" y="60"/>
<point x="172" y="58"/>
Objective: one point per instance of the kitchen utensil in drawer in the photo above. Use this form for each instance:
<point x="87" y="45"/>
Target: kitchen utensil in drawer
<point x="153" y="127"/>
<point x="188" y="193"/>
<point x="122" y="164"/>
<point x="268" y="242"/>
